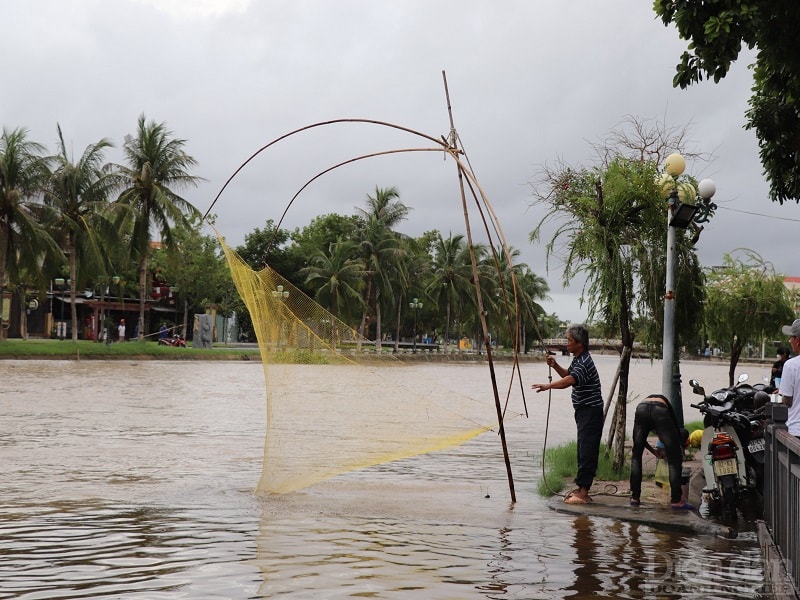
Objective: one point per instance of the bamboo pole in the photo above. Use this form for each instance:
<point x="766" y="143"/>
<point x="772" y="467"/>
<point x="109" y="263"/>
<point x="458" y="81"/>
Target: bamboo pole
<point x="453" y="148"/>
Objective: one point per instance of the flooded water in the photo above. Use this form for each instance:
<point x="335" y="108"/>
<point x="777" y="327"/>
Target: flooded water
<point x="136" y="479"/>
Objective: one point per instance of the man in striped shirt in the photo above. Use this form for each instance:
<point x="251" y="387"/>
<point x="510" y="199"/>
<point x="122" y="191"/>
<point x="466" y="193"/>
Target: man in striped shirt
<point x="587" y="401"/>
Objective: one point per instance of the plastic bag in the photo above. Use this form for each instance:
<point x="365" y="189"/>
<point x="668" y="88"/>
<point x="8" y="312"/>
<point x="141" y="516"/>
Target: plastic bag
<point x="662" y="473"/>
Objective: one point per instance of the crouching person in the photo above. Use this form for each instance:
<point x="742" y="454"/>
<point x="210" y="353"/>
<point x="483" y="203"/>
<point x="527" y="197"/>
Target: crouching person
<point x="654" y="413"/>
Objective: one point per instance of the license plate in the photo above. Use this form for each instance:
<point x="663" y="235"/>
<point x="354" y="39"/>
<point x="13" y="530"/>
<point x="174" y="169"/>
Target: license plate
<point x="756" y="445"/>
<point x="727" y="466"/>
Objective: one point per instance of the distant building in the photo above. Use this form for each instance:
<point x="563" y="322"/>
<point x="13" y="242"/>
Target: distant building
<point x="793" y="285"/>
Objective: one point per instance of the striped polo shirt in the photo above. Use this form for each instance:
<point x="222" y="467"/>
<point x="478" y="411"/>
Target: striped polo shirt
<point x="586" y="390"/>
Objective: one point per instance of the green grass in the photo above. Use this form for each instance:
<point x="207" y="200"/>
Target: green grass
<point x="39" y="348"/>
<point x="690" y="427"/>
<point x="298" y="357"/>
<point x="561" y="463"/>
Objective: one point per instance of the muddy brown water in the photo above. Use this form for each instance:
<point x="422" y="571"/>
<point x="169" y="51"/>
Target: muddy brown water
<point x="135" y="479"/>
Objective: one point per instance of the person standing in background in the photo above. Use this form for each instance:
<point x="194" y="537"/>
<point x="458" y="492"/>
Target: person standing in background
<point x="777" y="367"/>
<point x="121" y="330"/>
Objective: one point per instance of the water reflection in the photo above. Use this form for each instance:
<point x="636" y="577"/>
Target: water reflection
<point x="584" y="566"/>
<point x="499" y="567"/>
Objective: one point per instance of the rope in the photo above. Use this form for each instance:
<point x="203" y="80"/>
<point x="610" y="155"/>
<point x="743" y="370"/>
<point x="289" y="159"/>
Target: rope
<point x="546" y="429"/>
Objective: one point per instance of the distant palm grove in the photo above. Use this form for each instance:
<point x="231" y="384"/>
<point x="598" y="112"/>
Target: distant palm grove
<point x="87" y="243"/>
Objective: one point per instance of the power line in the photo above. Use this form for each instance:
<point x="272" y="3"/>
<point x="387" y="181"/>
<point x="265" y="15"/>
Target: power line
<point x="747" y="212"/>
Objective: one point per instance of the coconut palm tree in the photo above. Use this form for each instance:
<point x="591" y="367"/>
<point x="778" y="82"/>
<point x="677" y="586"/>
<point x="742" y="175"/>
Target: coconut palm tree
<point x="385" y="206"/>
<point x="23" y="239"/>
<point x="379" y="247"/>
<point x="157" y="166"/>
<point x="451" y="277"/>
<point x="381" y="251"/>
<point x="78" y="193"/>
<point x="336" y="276"/>
<point x="523" y="306"/>
<point x="408" y="275"/>
<point x="533" y="289"/>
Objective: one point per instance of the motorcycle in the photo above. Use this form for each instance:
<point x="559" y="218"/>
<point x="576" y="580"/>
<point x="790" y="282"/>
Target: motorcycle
<point x="732" y="444"/>
<point x="743" y="394"/>
<point x="177" y="341"/>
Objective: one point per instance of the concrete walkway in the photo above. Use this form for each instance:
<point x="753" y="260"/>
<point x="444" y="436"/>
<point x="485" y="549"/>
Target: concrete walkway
<point x="610" y="499"/>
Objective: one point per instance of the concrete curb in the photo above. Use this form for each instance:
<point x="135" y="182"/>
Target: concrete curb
<point x="660" y="516"/>
<point x="654" y="511"/>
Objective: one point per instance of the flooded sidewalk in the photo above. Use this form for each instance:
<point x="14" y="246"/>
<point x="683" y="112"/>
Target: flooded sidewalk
<point x="611" y="499"/>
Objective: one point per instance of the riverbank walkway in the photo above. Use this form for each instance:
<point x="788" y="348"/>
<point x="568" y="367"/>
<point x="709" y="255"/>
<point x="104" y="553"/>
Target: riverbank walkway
<point x="610" y="499"/>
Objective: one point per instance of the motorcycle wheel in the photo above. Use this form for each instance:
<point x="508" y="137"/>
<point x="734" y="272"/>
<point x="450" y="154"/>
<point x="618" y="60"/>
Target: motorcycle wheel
<point x="729" y="497"/>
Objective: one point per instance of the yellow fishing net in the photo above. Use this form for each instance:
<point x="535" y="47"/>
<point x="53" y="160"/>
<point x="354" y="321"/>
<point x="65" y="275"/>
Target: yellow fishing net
<point x="333" y="403"/>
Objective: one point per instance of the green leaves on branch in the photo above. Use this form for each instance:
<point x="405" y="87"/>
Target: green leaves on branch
<point x="716" y="32"/>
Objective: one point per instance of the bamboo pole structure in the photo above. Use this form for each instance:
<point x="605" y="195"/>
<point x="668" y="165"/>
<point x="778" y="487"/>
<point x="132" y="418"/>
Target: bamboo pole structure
<point x="453" y="149"/>
<point x="466" y="180"/>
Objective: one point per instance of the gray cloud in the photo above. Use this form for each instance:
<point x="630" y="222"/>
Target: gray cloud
<point x="530" y="82"/>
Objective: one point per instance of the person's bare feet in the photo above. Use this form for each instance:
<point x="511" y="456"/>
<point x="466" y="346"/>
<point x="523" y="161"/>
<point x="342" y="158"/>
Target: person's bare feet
<point x="578" y="496"/>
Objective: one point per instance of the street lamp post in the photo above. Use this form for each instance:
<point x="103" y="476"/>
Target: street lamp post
<point x="61" y="332"/>
<point x="281" y="295"/>
<point x="105" y="314"/>
<point x="415" y="304"/>
<point x="679" y="215"/>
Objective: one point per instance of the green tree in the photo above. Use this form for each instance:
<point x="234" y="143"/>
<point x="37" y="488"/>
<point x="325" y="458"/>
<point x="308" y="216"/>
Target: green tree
<point x="157" y="166"/>
<point x="610" y="227"/>
<point x="336" y="277"/>
<point x="716" y="33"/>
<point x="747" y="301"/>
<point x="195" y="265"/>
<point x="380" y="249"/>
<point x="78" y="193"/>
<point x="24" y="241"/>
<point x="270" y="246"/>
<point x="451" y="278"/>
<point x="318" y="235"/>
<point x="525" y="308"/>
<point x="605" y="219"/>
<point x="409" y="274"/>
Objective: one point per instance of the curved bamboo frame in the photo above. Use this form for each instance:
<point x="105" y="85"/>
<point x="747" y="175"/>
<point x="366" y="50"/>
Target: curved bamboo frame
<point x="467" y="181"/>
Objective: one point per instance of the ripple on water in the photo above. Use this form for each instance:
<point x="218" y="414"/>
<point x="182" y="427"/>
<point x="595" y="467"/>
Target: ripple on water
<point x="84" y="549"/>
<point x="111" y="492"/>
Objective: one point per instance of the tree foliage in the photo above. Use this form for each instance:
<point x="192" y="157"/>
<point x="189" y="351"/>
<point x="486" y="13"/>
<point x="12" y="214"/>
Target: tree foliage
<point x="606" y="220"/>
<point x="747" y="302"/>
<point x="195" y="265"/>
<point x="157" y="166"/>
<point x="380" y="250"/>
<point x="337" y="278"/>
<point x="319" y="234"/>
<point x="608" y="224"/>
<point x="78" y="193"/>
<point x="56" y="207"/>
<point x="451" y="279"/>
<point x="24" y="240"/>
<point x="268" y="246"/>
<point x="716" y="32"/>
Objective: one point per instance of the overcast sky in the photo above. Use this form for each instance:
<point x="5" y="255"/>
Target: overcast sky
<point x="531" y="82"/>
